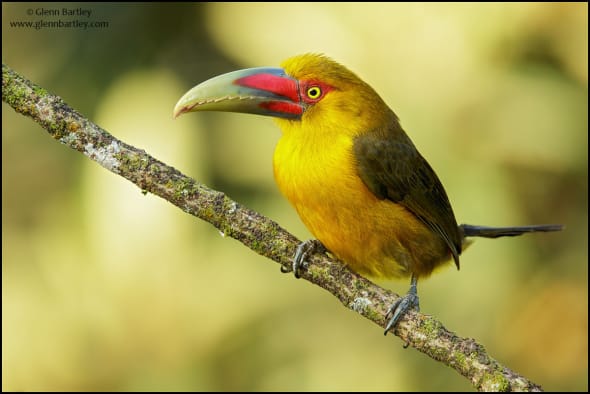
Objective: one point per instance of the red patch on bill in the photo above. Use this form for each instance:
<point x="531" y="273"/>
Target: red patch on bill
<point x="282" y="86"/>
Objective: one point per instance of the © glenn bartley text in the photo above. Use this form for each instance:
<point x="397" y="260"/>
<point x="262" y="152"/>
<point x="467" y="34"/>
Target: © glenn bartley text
<point x="59" y="12"/>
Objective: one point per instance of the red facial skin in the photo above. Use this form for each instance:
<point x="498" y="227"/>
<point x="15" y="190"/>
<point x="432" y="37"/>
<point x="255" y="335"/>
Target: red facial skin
<point x="294" y="91"/>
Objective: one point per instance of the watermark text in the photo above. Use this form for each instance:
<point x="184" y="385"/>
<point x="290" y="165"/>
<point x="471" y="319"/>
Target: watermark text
<point x="59" y="18"/>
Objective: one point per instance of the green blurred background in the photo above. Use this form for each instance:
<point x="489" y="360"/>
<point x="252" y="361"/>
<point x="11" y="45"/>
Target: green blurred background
<point x="104" y="288"/>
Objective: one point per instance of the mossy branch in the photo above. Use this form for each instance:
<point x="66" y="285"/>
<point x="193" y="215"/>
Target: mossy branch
<point x="257" y="232"/>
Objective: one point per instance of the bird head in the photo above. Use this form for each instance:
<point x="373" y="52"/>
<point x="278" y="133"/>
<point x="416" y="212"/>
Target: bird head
<point x="307" y="89"/>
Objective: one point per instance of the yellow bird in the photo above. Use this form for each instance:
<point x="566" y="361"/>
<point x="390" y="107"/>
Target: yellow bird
<point x="344" y="162"/>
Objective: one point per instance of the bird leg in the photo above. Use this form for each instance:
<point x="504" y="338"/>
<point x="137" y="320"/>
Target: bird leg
<point x="304" y="249"/>
<point x="402" y="305"/>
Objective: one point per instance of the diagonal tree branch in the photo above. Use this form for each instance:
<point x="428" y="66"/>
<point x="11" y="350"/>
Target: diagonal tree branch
<point x="257" y="232"/>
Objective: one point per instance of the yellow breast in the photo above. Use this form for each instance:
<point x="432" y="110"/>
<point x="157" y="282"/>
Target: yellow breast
<point x="374" y="237"/>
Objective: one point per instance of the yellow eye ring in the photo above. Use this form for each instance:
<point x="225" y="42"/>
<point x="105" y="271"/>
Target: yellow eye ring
<point x="314" y="92"/>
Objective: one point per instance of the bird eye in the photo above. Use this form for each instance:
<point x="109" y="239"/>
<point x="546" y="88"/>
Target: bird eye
<point x="314" y="92"/>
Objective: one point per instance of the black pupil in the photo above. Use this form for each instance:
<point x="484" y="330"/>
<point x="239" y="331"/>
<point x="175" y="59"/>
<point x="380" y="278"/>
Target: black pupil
<point x="314" y="92"/>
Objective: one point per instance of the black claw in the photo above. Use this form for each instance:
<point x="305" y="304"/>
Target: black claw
<point x="402" y="305"/>
<point x="304" y="249"/>
<point x="285" y="270"/>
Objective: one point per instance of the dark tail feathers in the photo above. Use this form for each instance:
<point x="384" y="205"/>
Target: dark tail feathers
<point x="495" y="232"/>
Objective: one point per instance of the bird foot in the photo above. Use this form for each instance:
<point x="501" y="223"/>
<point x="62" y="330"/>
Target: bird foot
<point x="402" y="306"/>
<point x="304" y="249"/>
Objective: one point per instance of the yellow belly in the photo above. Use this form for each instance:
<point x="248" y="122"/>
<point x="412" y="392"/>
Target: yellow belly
<point x="374" y="237"/>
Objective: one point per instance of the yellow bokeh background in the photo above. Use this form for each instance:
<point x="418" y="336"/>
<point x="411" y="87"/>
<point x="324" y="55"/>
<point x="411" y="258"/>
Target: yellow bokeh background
<point x="104" y="288"/>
